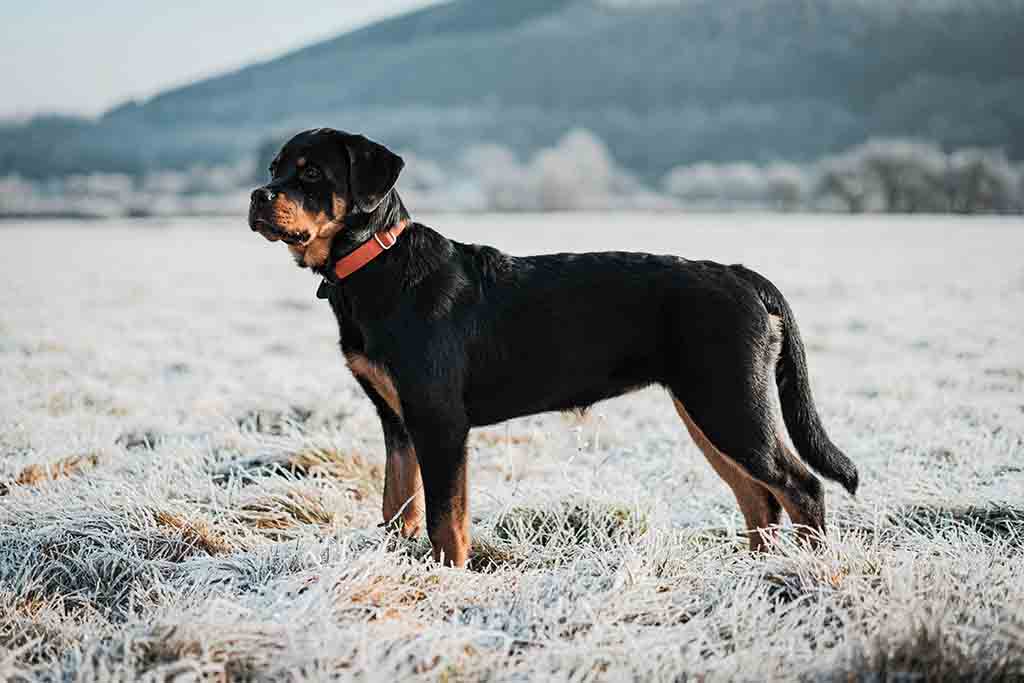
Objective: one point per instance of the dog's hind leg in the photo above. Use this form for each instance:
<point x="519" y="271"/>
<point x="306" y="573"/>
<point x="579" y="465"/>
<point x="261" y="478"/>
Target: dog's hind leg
<point x="762" y="472"/>
<point x="801" y="493"/>
<point x="726" y="399"/>
<point x="761" y="510"/>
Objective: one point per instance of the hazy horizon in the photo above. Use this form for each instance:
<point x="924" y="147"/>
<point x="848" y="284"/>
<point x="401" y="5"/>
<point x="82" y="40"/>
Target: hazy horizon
<point x="784" y="104"/>
<point x="119" y="51"/>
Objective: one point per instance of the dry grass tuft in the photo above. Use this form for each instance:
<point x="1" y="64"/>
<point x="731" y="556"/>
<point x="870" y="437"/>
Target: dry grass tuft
<point x="34" y="475"/>
<point x="389" y="596"/>
<point x="196" y="533"/>
<point x="572" y="522"/>
<point x="41" y="629"/>
<point x="360" y="478"/>
<point x="170" y="651"/>
<point x="547" y="536"/>
<point x="336" y="486"/>
<point x="790" y="586"/>
<point x="275" y="513"/>
<point x="489" y="556"/>
<point x="363" y="479"/>
<point x="110" y="560"/>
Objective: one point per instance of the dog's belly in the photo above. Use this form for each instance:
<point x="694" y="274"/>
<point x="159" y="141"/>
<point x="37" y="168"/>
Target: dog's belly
<point x="559" y="375"/>
<point x="501" y="406"/>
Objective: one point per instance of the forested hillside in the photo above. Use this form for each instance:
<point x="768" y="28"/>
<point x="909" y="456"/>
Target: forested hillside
<point x="663" y="83"/>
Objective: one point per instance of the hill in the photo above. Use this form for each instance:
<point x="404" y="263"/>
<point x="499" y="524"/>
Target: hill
<point x="662" y="83"/>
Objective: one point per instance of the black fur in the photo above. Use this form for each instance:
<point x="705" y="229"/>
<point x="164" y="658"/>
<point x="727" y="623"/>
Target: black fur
<point x="472" y="336"/>
<point x="380" y="168"/>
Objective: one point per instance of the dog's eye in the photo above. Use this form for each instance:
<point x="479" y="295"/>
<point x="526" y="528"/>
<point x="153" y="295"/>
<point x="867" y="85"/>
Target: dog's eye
<point x="311" y="174"/>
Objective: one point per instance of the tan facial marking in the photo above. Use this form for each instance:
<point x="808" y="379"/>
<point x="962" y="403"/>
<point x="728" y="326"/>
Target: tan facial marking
<point x="319" y="229"/>
<point x="339" y="206"/>
<point x="300" y="162"/>
<point x="377" y="377"/>
<point x="285" y="214"/>
<point x="322" y="229"/>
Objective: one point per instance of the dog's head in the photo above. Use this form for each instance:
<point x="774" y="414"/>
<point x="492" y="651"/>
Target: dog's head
<point x="318" y="178"/>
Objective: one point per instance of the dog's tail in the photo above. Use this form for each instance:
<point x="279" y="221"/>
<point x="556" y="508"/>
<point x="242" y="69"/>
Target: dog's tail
<point x="791" y="376"/>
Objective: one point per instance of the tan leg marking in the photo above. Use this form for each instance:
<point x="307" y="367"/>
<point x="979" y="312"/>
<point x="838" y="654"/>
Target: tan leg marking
<point x="760" y="509"/>
<point x="402" y="480"/>
<point x="378" y="377"/>
<point x="451" y="535"/>
<point x="403" y="492"/>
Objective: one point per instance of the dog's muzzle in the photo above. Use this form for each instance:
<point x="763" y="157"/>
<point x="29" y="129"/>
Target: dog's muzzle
<point x="259" y="204"/>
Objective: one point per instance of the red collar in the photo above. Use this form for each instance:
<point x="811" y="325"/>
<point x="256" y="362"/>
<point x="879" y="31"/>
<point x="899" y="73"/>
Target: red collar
<point x="369" y="250"/>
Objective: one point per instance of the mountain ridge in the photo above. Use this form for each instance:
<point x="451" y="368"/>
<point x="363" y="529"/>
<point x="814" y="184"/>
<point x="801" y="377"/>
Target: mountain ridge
<point x="662" y="83"/>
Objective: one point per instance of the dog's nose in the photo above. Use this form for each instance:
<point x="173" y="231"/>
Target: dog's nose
<point x="262" y="196"/>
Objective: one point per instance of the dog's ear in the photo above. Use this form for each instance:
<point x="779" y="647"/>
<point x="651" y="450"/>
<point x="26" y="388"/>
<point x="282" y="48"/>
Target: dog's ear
<point x="373" y="170"/>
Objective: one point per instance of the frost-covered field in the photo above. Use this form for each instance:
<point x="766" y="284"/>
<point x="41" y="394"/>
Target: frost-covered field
<point x="190" y="480"/>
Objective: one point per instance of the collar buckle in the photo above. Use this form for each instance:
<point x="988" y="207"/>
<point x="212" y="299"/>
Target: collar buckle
<point x="384" y="246"/>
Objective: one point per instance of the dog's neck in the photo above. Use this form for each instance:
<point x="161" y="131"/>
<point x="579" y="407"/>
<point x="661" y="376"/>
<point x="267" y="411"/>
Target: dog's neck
<point x="373" y="289"/>
<point x="360" y="227"/>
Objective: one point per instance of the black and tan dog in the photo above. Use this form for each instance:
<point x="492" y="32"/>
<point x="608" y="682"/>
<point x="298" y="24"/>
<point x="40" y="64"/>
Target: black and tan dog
<point x="445" y="336"/>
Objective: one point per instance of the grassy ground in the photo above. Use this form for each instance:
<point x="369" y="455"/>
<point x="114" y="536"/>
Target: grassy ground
<point x="190" y="480"/>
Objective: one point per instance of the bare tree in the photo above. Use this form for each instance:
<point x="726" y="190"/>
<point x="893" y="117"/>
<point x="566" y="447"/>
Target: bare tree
<point x="892" y="175"/>
<point x="983" y="180"/>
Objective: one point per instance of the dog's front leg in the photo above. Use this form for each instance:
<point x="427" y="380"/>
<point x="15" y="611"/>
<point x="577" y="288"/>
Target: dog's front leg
<point x="403" y="490"/>
<point x="440" y="446"/>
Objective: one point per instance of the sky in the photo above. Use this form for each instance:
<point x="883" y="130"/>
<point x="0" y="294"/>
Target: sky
<point x="84" y="57"/>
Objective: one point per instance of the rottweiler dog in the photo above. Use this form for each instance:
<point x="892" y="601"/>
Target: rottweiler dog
<point x="444" y="336"/>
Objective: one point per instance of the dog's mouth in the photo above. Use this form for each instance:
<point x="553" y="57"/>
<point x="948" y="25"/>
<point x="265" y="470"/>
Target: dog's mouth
<point x="274" y="233"/>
